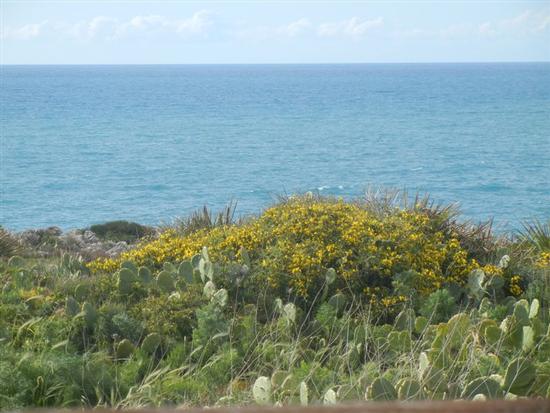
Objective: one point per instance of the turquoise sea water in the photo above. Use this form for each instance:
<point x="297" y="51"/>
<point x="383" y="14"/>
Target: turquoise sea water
<point x="87" y="144"/>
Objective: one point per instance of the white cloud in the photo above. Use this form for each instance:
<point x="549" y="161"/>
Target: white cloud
<point x="527" y="22"/>
<point x="197" y="24"/>
<point x="261" y="33"/>
<point x="487" y="29"/>
<point x="147" y="22"/>
<point x="102" y="26"/>
<point x="26" y="32"/>
<point x="295" y="28"/>
<point x="517" y="21"/>
<point x="544" y="24"/>
<point x="142" y="24"/>
<point x="99" y="27"/>
<point x="353" y="27"/>
<point x="530" y="21"/>
<point x="105" y="27"/>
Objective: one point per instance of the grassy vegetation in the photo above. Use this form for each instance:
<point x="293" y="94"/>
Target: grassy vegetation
<point x="315" y="301"/>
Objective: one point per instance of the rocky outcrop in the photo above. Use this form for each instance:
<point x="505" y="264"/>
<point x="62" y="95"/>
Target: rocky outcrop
<point x="46" y="242"/>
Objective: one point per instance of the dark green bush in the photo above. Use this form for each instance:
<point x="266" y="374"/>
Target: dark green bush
<point x="121" y="231"/>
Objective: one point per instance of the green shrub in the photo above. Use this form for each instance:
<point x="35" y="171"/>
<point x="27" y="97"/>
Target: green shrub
<point x="439" y="306"/>
<point x="115" y="324"/>
<point x="172" y="317"/>
<point x="121" y="231"/>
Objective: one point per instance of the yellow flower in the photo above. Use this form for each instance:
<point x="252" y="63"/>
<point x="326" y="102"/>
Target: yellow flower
<point x="292" y="244"/>
<point x="515" y="288"/>
<point x="543" y="260"/>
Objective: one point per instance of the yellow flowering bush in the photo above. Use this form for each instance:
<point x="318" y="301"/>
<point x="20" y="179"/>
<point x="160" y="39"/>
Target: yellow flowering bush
<point x="292" y="244"/>
<point x="543" y="260"/>
<point x="513" y="281"/>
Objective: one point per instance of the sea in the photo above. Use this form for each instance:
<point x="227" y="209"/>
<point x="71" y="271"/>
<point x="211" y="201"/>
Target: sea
<point x="151" y="143"/>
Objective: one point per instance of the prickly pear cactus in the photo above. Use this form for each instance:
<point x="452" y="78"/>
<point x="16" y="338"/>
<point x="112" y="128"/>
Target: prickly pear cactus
<point x="405" y="320"/>
<point x="124" y="349"/>
<point x="209" y="289"/>
<point x="277" y="378"/>
<point x="338" y="302"/>
<point x="195" y="261"/>
<point x="528" y="339"/>
<point x="330" y="276"/>
<point x="289" y="313"/>
<point x="520" y="373"/>
<point x="261" y="391"/>
<point x="534" y="308"/>
<point x="435" y="379"/>
<point x="169" y="267"/>
<point x="475" y="284"/>
<point x="165" y="282"/>
<point x="381" y="389"/>
<point x="399" y="341"/>
<point x="458" y="328"/>
<point x="486" y="386"/>
<point x="420" y="324"/>
<point x="329" y="399"/>
<point x="409" y="389"/>
<point x="220" y="297"/>
<point x="81" y="292"/>
<point x="130" y="265"/>
<point x="71" y="307"/>
<point x="144" y="275"/>
<point x="489" y="332"/>
<point x="521" y="312"/>
<point x="185" y="271"/>
<point x="206" y="268"/>
<point x="512" y="329"/>
<point x="125" y="281"/>
<point x="151" y="343"/>
<point x="304" y="394"/>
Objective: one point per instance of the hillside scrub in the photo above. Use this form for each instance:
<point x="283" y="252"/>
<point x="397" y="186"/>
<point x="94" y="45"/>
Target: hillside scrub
<point x="375" y="252"/>
<point x="315" y="301"/>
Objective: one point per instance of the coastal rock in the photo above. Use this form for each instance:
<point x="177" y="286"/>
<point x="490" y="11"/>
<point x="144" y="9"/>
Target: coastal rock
<point x="93" y="252"/>
<point x="119" y="248"/>
<point x="46" y="242"/>
<point x="35" y="237"/>
<point x="90" y="237"/>
<point x="53" y="231"/>
<point x="73" y="240"/>
<point x="29" y="237"/>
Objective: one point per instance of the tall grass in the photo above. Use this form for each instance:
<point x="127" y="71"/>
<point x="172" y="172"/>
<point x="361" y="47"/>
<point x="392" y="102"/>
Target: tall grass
<point x="536" y="234"/>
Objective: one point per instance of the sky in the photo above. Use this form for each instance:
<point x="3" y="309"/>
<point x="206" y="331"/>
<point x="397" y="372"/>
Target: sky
<point x="183" y="32"/>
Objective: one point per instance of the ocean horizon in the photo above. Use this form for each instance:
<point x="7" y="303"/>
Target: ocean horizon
<point x="84" y="144"/>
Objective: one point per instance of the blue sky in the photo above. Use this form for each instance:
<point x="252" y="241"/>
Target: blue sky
<point x="123" y="32"/>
